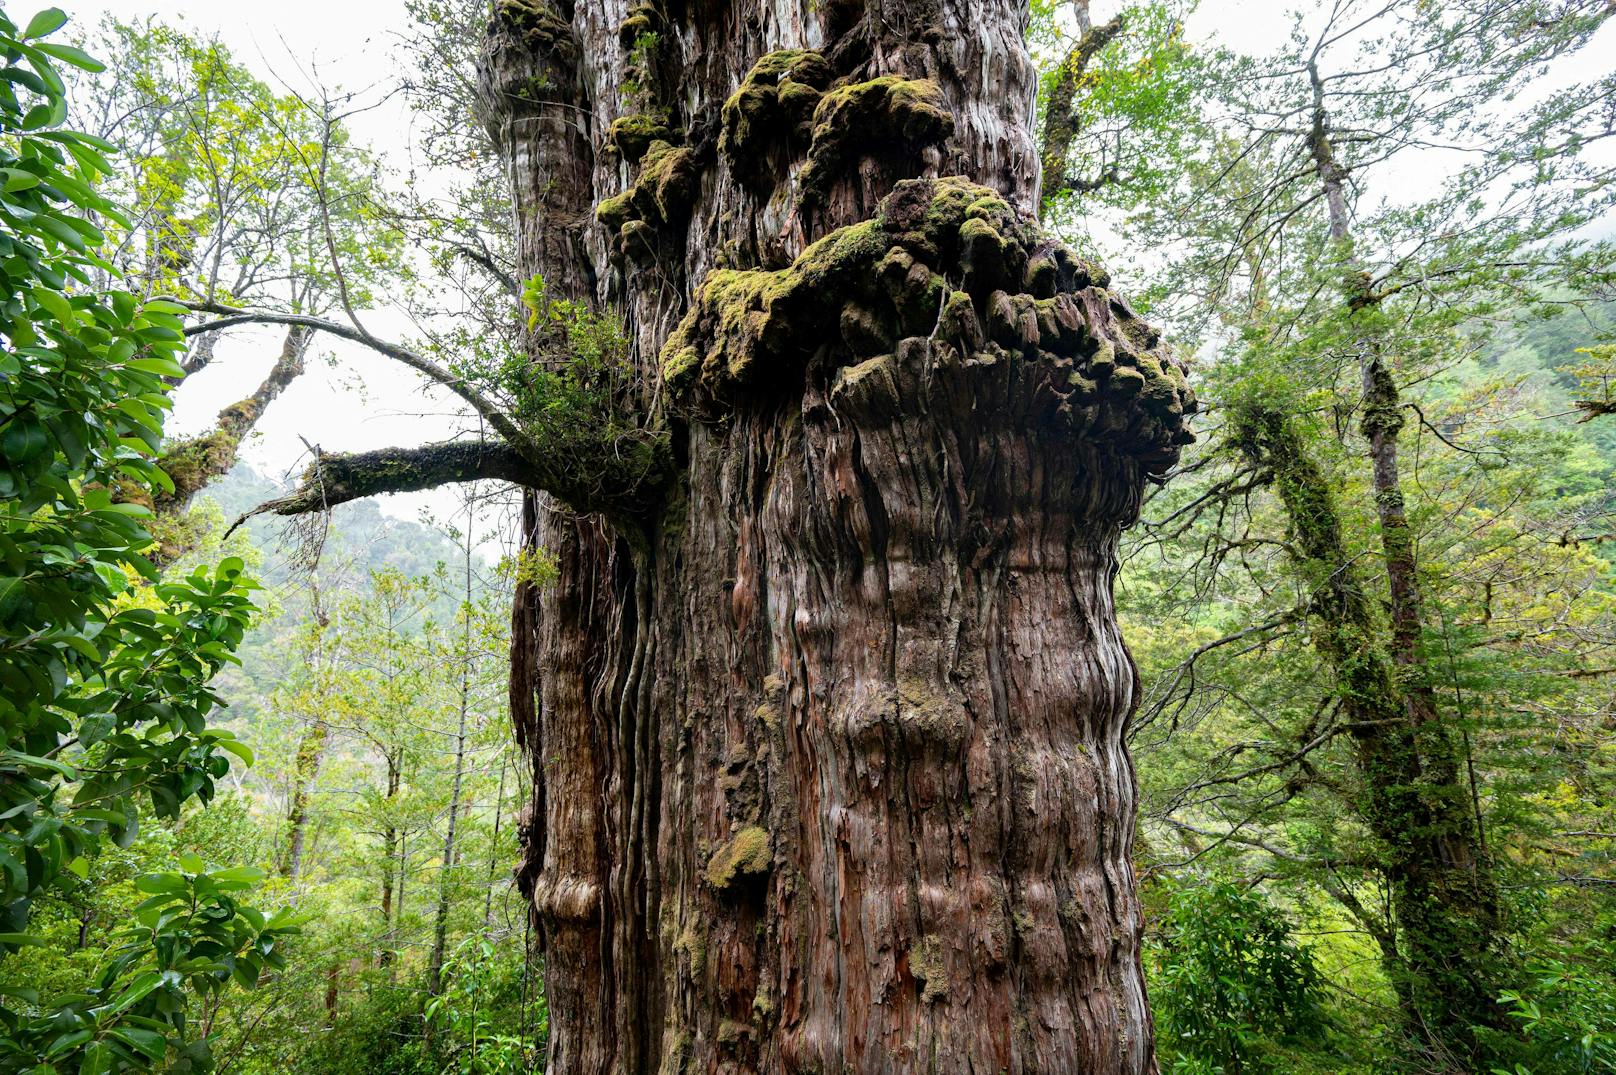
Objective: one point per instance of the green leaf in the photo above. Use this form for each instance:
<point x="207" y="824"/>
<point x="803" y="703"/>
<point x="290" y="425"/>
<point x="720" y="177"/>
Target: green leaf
<point x="11" y="592"/>
<point x="22" y="939"/>
<point x="15" y="179"/>
<point x="139" y="987"/>
<point x="46" y="22"/>
<point x="67" y="772"/>
<point x="165" y="367"/>
<point x="238" y="748"/>
<point x="160" y="883"/>
<point x="150" y="1043"/>
<point x="75" y="56"/>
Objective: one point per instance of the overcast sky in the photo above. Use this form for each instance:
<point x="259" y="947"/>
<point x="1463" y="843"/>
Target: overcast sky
<point x="359" y="400"/>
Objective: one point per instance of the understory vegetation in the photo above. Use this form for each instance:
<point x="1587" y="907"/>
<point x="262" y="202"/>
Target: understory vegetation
<point x="260" y="798"/>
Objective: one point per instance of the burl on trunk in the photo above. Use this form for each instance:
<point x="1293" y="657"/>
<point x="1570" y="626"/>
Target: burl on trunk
<point x="827" y="741"/>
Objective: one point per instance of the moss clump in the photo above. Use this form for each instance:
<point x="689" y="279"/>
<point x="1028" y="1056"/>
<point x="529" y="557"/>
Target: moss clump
<point x="946" y="268"/>
<point x="776" y="99"/>
<point x="692" y="945"/>
<point x="927" y="965"/>
<point x="191" y="464"/>
<point x="741" y="317"/>
<point x="745" y="853"/>
<point x="763" y="1001"/>
<point x="541" y="27"/>
<point x="886" y="117"/>
<point x="642" y="19"/>
<point x="631" y="136"/>
<point x="657" y="202"/>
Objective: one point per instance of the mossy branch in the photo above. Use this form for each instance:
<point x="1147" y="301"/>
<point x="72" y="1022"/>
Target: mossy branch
<point x="334" y="479"/>
<point x="1062" y="123"/>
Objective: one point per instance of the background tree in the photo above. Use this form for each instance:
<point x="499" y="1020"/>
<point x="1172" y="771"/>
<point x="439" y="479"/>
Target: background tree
<point x="1344" y="312"/>
<point x="238" y="194"/>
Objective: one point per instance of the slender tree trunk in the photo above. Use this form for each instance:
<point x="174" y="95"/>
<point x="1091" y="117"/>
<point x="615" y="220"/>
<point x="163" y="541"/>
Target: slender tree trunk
<point x="1444" y="902"/>
<point x="493" y="847"/>
<point x="440" y="930"/>
<point x="828" y="751"/>
<point x="310" y="751"/>
<point x="1448" y="905"/>
<point x="391" y="874"/>
<point x="311" y="745"/>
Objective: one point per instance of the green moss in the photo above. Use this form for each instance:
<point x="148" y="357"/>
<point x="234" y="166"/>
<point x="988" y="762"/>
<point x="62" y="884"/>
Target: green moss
<point x="887" y="286"/>
<point x="692" y="945"/>
<point x="642" y="19"/>
<point x="631" y="136"/>
<point x="615" y="211"/>
<point x="190" y="464"/>
<point x="658" y="200"/>
<point x="776" y="99"/>
<point x="927" y="965"/>
<point x="747" y="852"/>
<point x="541" y="26"/>
<point x="886" y="117"/>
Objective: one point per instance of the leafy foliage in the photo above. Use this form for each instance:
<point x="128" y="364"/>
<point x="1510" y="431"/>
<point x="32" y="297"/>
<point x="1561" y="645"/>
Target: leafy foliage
<point x="1229" y="979"/>
<point x="105" y="670"/>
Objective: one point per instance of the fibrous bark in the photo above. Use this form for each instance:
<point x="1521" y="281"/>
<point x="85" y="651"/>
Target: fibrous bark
<point x="828" y="759"/>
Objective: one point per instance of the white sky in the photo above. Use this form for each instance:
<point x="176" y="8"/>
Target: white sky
<point x="361" y="400"/>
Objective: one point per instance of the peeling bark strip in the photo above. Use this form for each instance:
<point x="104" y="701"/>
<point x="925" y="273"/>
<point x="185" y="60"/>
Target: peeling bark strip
<point x="827" y="749"/>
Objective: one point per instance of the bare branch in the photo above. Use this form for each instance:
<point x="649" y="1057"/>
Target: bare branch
<point x="231" y="316"/>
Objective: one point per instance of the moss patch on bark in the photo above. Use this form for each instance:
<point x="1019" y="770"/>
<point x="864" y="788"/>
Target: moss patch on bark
<point x="886" y="117"/>
<point x="747" y="852"/>
<point x="631" y="136"/>
<point x="657" y="202"/>
<point x="1023" y="304"/>
<point x="776" y="100"/>
<point x="541" y="27"/>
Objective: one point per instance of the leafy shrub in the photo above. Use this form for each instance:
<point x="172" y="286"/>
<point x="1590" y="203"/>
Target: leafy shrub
<point x="1566" y="1009"/>
<point x="1229" y="979"/>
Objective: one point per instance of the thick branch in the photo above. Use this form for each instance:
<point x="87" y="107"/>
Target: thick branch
<point x="1061" y="120"/>
<point x="338" y="478"/>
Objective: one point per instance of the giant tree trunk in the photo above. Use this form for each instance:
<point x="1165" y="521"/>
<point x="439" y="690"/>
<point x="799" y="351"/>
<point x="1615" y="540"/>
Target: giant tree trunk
<point x="828" y="748"/>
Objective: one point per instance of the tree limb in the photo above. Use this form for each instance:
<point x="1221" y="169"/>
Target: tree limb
<point x="338" y="478"/>
<point x="1061" y="119"/>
